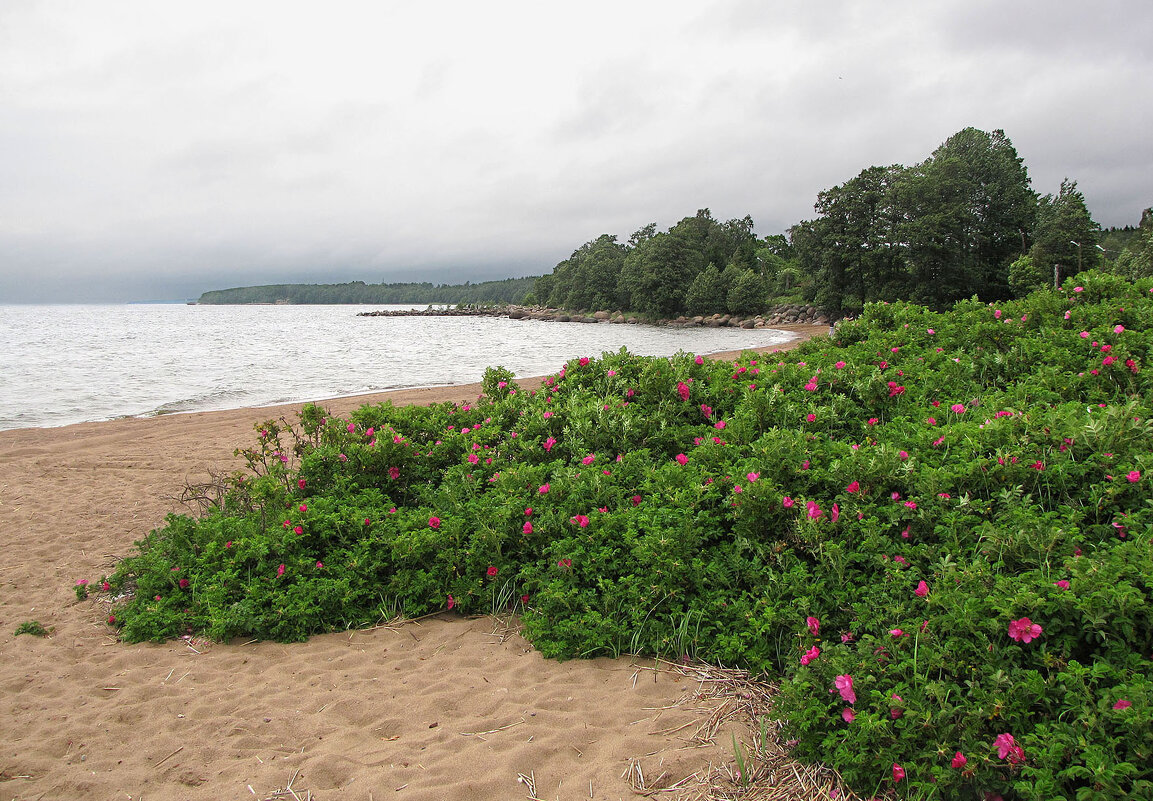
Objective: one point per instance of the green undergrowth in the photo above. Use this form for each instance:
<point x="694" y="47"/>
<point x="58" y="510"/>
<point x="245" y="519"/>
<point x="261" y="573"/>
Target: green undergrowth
<point x="934" y="530"/>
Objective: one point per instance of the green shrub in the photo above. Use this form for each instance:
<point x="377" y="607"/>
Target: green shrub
<point x="950" y="511"/>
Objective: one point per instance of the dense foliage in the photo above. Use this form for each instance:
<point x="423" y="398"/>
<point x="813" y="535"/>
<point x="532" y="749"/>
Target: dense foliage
<point x="964" y="222"/>
<point x="509" y="290"/>
<point x="936" y="530"/>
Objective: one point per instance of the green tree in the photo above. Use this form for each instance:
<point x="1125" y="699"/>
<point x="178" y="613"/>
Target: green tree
<point x="1025" y="276"/>
<point x="1065" y="236"/>
<point x="707" y="293"/>
<point x="656" y="275"/>
<point x="1136" y="260"/>
<point x="968" y="211"/>
<point x="747" y="296"/>
<point x="853" y="249"/>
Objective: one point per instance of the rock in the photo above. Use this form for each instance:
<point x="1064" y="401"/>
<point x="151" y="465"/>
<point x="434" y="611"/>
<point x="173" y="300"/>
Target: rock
<point x="602" y="315"/>
<point x="516" y="314"/>
<point x="748" y="324"/>
<point x="563" y="318"/>
<point x="620" y="318"/>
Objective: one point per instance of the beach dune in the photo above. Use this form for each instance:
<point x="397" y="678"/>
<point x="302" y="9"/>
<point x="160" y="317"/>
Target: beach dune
<point x="441" y="708"/>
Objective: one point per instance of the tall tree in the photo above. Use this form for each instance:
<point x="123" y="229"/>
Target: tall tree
<point x="853" y="249"/>
<point x="969" y="211"/>
<point x="1065" y="237"/>
<point x="657" y="274"/>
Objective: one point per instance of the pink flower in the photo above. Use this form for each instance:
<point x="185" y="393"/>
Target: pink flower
<point x="304" y="507"/>
<point x="896" y="712"/>
<point x="1024" y="630"/>
<point x="280" y="570"/>
<point x="579" y="520"/>
<point x="699" y="360"/>
<point x="543" y="489"/>
<point x="898" y="772"/>
<point x="524" y="599"/>
<point x="492" y="571"/>
<point x="836" y="512"/>
<point x="683" y="390"/>
<point x="548" y="443"/>
<point x="592" y="457"/>
<point x="319" y="565"/>
<point x="848" y="715"/>
<point x="394" y="473"/>
<point x="112" y="620"/>
<point x="854" y="486"/>
<point x="957" y="408"/>
<point x="1117" y="329"/>
<point x="682" y="459"/>
<point x="896" y="633"/>
<point x="1134" y="476"/>
<point x="183" y="584"/>
<point x="787" y="502"/>
<point x="844" y="684"/>
<point x="636" y="500"/>
<point x="564" y="564"/>
<point x="1062" y="584"/>
<point x="814" y="511"/>
<point x="719" y="425"/>
<point x="473" y="458"/>
<point x="812" y="418"/>
<point x="351" y="427"/>
<point x="813" y="624"/>
<point x="302" y="483"/>
<point x="434" y="522"/>
<point x="451" y="602"/>
<point x="1007" y="748"/>
<point x="1123" y="704"/>
<point x="1078" y="289"/>
<point x="583" y="361"/>
<point x="959" y="760"/>
<point x="839" y="365"/>
<point x="752" y="477"/>
<point x="922" y="589"/>
<point x="810" y="655"/>
<point x="106" y="586"/>
<point x="902" y="455"/>
<point x="298" y="530"/>
<point x="997" y="314"/>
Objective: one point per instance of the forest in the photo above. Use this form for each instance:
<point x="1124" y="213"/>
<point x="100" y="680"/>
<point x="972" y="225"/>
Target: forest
<point x="963" y="223"/>
<point x="509" y="290"/>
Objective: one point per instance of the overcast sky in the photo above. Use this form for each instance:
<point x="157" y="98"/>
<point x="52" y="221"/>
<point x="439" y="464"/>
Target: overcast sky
<point x="153" y="150"/>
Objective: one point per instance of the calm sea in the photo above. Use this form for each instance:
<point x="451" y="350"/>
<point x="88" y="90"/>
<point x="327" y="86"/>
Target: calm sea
<point x="68" y="364"/>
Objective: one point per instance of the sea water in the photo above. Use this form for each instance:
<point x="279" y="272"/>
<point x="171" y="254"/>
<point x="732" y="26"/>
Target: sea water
<point x="64" y="364"/>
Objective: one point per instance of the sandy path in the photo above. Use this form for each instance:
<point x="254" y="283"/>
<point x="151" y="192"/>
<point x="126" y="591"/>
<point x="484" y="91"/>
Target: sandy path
<point x="390" y="712"/>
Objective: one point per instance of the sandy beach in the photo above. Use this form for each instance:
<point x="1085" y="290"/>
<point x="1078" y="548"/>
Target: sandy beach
<point x="441" y="708"/>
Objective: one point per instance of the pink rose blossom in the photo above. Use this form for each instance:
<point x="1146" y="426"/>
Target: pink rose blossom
<point x="922" y="589"/>
<point x="813" y="624"/>
<point x="787" y="502"/>
<point x="434" y="522"/>
<point x="1123" y="704"/>
<point x="848" y="715"/>
<point x="959" y="760"/>
<point x="898" y="772"/>
<point x="810" y="655"/>
<point x="1024" y="630"/>
<point x="844" y="685"/>
<point x="682" y="459"/>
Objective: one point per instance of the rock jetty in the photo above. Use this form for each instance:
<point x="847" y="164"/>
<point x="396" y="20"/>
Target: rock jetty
<point x="790" y="314"/>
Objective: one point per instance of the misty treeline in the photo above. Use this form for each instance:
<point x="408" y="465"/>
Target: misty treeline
<point x="964" y="222"/>
<point x="510" y="290"/>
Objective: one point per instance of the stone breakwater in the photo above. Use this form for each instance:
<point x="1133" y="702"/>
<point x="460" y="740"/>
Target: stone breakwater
<point x="777" y="315"/>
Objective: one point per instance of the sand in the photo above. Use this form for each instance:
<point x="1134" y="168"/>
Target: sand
<point x="442" y="708"/>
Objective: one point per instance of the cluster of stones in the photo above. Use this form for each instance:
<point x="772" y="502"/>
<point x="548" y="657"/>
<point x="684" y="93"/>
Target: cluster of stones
<point x="778" y="315"/>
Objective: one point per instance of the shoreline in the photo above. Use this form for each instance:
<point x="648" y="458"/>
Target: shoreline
<point x="424" y="395"/>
